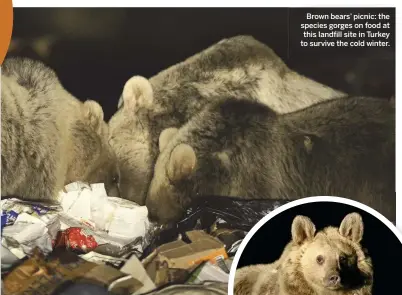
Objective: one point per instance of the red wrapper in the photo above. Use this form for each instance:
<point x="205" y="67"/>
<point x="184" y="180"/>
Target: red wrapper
<point x="74" y="238"/>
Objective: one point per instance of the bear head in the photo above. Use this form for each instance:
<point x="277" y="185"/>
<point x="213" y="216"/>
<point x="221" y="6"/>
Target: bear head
<point x="330" y="260"/>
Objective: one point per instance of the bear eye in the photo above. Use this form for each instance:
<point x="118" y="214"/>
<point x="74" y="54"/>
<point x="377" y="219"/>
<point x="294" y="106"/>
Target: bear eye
<point x="320" y="259"/>
<point x="115" y="179"/>
<point x="342" y="259"/>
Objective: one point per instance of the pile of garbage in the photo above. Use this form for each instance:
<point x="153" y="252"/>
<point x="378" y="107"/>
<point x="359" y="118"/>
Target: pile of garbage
<point x="90" y="240"/>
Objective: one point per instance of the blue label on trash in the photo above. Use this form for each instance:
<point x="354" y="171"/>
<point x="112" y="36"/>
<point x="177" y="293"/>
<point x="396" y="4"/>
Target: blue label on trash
<point x="8" y="218"/>
<point x="40" y="210"/>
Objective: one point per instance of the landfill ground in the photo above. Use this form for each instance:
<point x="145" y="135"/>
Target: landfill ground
<point x="46" y="248"/>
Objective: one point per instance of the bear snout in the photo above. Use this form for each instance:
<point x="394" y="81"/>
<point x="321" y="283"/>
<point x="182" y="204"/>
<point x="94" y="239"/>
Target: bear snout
<point x="152" y="207"/>
<point x="152" y="214"/>
<point x="113" y="191"/>
<point x="163" y="210"/>
<point x="333" y="280"/>
<point x="163" y="214"/>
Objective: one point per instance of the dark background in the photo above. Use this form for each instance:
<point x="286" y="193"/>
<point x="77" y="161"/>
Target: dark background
<point x="383" y="246"/>
<point x="96" y="50"/>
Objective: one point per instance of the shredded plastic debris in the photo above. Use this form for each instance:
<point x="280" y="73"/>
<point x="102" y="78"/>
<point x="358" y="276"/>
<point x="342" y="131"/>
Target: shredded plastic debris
<point x="115" y="233"/>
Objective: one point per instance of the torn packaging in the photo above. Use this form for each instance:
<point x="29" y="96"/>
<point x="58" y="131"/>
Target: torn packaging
<point x="341" y="147"/>
<point x="117" y="225"/>
<point x="43" y="276"/>
<point x="182" y="255"/>
<point x="85" y="219"/>
<point x="28" y="225"/>
<point x="135" y="268"/>
<point x="48" y="137"/>
<point x="227" y="218"/>
<point x="178" y="258"/>
<point x="239" y="67"/>
<point x="208" y="272"/>
<point x="91" y="205"/>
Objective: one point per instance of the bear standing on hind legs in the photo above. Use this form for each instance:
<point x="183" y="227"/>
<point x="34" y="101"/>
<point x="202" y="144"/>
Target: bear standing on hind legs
<point x="48" y="137"/>
<point x="330" y="262"/>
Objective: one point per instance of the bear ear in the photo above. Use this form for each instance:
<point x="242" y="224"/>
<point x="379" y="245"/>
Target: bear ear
<point x="352" y="227"/>
<point x="120" y="102"/>
<point x="181" y="163"/>
<point x="302" y="229"/>
<point x="137" y="93"/>
<point x="165" y="136"/>
<point x="93" y="113"/>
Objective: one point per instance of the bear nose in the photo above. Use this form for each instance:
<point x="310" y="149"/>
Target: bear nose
<point x="334" y="279"/>
<point x="152" y="214"/>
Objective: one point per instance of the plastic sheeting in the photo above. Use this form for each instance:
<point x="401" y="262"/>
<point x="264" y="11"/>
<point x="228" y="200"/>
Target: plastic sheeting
<point x="211" y="213"/>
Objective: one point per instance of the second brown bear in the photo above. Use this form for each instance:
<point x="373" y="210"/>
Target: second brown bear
<point x="48" y="137"/>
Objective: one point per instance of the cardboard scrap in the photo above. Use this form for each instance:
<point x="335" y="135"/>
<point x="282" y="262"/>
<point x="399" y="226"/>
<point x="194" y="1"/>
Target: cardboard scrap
<point x="203" y="247"/>
<point x="135" y="268"/>
<point x="165" y="275"/>
<point x="174" y="261"/>
<point x="103" y="259"/>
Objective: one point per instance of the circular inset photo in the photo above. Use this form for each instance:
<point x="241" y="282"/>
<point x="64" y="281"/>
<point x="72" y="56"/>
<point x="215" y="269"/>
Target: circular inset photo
<point x="319" y="246"/>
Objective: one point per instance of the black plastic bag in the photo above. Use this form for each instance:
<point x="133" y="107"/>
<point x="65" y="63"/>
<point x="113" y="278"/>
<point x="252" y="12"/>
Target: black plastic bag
<point x="214" y="212"/>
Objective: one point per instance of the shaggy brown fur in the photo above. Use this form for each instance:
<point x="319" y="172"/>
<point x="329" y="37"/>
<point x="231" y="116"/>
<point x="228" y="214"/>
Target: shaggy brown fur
<point x="48" y="137"/>
<point x="240" y="67"/>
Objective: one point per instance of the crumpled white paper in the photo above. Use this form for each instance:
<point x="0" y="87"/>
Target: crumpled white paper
<point x="35" y="226"/>
<point x="111" y="220"/>
<point x="7" y="257"/>
<point x="29" y="231"/>
<point x="90" y="205"/>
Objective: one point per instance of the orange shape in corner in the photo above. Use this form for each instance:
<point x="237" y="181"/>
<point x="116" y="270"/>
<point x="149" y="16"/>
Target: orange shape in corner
<point x="6" y="26"/>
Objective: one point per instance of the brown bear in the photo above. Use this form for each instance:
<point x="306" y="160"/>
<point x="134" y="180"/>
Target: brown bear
<point x="328" y="262"/>
<point x="239" y="67"/>
<point x="48" y="137"/>
<point x="240" y="148"/>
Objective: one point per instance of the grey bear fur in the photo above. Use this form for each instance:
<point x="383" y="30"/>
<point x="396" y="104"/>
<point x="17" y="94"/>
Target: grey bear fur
<point x="341" y="147"/>
<point x="48" y="137"/>
<point x="239" y="67"/>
